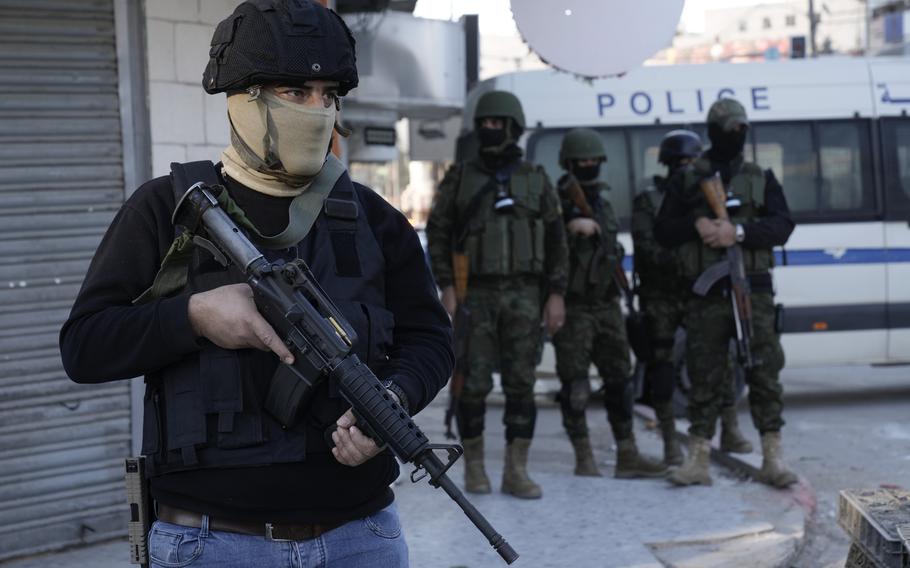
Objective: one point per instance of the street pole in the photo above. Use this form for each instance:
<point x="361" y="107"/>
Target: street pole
<point x="812" y="23"/>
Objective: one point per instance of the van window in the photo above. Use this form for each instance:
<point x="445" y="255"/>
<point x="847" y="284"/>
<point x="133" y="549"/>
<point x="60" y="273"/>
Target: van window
<point x="787" y="150"/>
<point x="845" y="183"/>
<point x="896" y="154"/>
<point x="543" y="149"/>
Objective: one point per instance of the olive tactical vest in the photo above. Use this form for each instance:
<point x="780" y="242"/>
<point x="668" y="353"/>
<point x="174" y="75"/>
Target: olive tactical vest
<point x="206" y="410"/>
<point x="748" y="185"/>
<point x="594" y="259"/>
<point x="503" y="244"/>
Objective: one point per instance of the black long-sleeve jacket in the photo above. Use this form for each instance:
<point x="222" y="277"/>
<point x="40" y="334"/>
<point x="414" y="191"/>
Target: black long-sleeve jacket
<point x="108" y="338"/>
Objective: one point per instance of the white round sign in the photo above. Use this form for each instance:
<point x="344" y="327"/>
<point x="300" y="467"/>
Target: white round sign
<point x="596" y="38"/>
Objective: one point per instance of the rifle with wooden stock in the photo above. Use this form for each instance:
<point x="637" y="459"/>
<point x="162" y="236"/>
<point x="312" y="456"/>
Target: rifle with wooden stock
<point x="636" y="326"/>
<point x="461" y="323"/>
<point x="733" y="267"/>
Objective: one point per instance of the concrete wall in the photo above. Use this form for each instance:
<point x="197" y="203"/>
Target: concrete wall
<point x="186" y="123"/>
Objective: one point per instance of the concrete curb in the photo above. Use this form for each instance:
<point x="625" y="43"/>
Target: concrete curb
<point x="775" y="545"/>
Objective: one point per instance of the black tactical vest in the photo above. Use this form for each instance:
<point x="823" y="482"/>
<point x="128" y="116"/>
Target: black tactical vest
<point x="206" y="410"/>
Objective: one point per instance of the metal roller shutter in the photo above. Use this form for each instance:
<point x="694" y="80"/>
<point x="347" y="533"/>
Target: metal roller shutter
<point x="61" y="182"/>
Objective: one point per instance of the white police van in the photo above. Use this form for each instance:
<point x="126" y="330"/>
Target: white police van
<point x="835" y="131"/>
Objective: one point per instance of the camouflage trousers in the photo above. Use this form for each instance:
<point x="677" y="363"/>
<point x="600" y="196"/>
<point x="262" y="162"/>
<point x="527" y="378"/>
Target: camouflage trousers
<point x="709" y="328"/>
<point x="505" y="334"/>
<point x="665" y="313"/>
<point x="594" y="332"/>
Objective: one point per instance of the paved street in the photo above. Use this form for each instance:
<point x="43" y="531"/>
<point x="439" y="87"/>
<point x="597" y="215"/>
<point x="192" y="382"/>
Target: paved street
<point x="847" y="428"/>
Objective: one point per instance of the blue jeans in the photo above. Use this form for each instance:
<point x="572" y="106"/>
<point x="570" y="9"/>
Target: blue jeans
<point x="375" y="540"/>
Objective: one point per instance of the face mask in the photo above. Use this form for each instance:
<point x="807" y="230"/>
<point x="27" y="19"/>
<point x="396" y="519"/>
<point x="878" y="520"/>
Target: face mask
<point x="279" y="138"/>
<point x="491" y="137"/>
<point x="586" y="173"/>
<point x="726" y="144"/>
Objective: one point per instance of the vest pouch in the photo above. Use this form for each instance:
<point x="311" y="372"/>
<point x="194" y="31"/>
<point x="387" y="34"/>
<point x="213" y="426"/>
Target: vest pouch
<point x="579" y="262"/>
<point x="151" y="422"/>
<point x="494" y="253"/>
<point x="382" y="329"/>
<point x="185" y="422"/>
<point x="229" y="401"/>
<point x="539" y="233"/>
<point x="522" y="245"/>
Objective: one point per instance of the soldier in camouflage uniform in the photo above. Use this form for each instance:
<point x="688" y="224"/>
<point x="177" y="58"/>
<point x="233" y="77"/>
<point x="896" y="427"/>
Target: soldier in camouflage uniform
<point x="594" y="322"/>
<point x="760" y="220"/>
<point x="662" y="296"/>
<point x="504" y="214"/>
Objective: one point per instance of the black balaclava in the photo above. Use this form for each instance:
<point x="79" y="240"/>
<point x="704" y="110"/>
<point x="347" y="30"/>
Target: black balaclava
<point x="726" y="145"/>
<point x="498" y="146"/>
<point x="491" y="137"/>
<point x="586" y="174"/>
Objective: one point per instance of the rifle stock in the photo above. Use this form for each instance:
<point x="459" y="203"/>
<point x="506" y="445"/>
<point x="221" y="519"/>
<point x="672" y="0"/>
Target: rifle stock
<point x="461" y="323"/>
<point x="577" y="195"/>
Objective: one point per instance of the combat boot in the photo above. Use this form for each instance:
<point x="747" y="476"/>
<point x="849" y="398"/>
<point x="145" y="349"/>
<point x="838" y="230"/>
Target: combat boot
<point x="731" y="439"/>
<point x="696" y="469"/>
<point x="672" y="448"/>
<point x="631" y="464"/>
<point x="773" y="471"/>
<point x="475" y="478"/>
<point x="584" y="458"/>
<point x="515" y="480"/>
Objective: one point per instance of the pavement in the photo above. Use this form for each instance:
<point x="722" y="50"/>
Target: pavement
<point x="580" y="522"/>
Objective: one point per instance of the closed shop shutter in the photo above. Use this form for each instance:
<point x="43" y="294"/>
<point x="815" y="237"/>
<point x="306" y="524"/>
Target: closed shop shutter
<point x="61" y="182"/>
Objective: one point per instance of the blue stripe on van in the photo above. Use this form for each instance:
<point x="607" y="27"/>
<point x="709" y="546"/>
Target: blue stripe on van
<point x="811" y="257"/>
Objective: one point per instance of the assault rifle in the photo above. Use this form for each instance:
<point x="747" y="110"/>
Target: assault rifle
<point x="636" y="326"/>
<point x="293" y="302"/>
<point x="741" y="294"/>
<point x="462" y="326"/>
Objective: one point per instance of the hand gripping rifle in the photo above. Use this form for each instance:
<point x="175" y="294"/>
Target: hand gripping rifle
<point x="741" y="300"/>
<point x="321" y="340"/>
<point x="636" y="326"/>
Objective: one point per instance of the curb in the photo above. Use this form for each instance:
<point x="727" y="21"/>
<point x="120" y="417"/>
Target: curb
<point x="781" y="543"/>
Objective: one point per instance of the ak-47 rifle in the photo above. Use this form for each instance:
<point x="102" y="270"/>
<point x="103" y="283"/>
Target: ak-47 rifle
<point x="462" y="325"/>
<point x="741" y="294"/>
<point x="321" y="340"/>
<point x="636" y="327"/>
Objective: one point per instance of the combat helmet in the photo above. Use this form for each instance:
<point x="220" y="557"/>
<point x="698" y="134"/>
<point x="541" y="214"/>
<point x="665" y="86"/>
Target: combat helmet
<point x="581" y="144"/>
<point x="727" y="114"/>
<point x="500" y="104"/>
<point x="280" y="41"/>
<point x="678" y="145"/>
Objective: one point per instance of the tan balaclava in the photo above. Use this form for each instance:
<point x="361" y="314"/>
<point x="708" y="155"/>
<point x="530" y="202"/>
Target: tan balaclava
<point x="277" y="147"/>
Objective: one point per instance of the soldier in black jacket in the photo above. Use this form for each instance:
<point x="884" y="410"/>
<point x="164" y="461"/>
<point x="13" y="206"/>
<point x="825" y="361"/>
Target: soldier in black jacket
<point x="759" y="221"/>
<point x="231" y="485"/>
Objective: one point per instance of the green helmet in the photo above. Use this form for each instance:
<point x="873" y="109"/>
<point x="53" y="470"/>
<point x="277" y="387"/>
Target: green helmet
<point x="728" y="114"/>
<point x="497" y="104"/>
<point x="581" y="144"/>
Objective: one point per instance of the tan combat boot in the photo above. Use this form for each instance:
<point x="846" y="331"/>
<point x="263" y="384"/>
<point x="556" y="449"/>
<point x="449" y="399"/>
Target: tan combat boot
<point x="695" y="470"/>
<point x="672" y="448"/>
<point x="773" y="471"/>
<point x="584" y="458"/>
<point x="475" y="478"/>
<point x="731" y="439"/>
<point x="515" y="480"/>
<point x="631" y="464"/>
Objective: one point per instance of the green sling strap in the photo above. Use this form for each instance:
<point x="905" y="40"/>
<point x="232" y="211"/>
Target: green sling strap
<point x="302" y="214"/>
